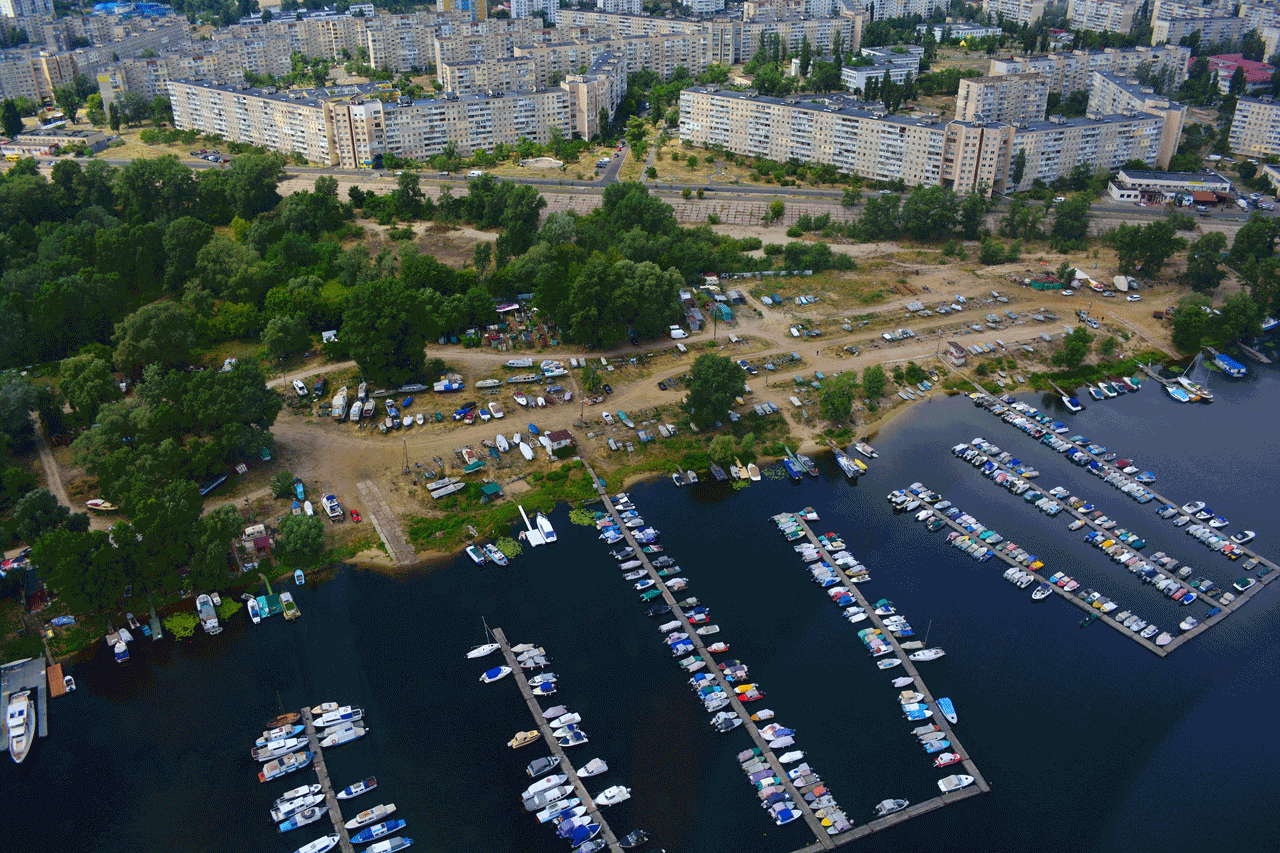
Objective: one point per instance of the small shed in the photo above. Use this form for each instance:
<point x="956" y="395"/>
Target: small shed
<point x="560" y="438"/>
<point x="490" y="492"/>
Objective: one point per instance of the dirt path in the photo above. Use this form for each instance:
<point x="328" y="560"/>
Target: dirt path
<point x="52" y="473"/>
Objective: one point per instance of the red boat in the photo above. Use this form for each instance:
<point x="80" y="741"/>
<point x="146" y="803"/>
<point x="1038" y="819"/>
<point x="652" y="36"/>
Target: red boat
<point x="946" y="758"/>
<point x="750" y="696"/>
<point x="717" y="648"/>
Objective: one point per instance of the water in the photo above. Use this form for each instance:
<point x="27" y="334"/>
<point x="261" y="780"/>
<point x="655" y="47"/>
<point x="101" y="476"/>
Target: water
<point x="1089" y="742"/>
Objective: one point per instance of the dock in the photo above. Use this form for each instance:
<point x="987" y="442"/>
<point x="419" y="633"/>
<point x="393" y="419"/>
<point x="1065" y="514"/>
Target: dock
<point x="1253" y="353"/>
<point x="544" y="725"/>
<point x="979" y="785"/>
<point x="1154" y="374"/>
<point x="532" y="534"/>
<point x="824" y="841"/>
<point x="322" y="774"/>
<point x="1247" y="552"/>
<point x="20" y="675"/>
<point x="57" y="687"/>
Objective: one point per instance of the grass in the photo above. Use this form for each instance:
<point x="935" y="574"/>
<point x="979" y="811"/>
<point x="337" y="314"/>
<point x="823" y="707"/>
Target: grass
<point x="1093" y="372"/>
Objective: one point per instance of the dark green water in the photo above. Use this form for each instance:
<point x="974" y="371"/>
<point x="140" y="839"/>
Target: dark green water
<point x="1089" y="742"/>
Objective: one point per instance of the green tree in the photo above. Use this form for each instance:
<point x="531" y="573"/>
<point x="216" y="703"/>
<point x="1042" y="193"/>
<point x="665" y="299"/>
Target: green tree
<point x="1070" y="224"/>
<point x="1190" y="323"/>
<point x="409" y="198"/>
<point x="1075" y="347"/>
<point x="87" y="384"/>
<point x="158" y="334"/>
<point x="282" y="484"/>
<point x="69" y="101"/>
<point x="1019" y="168"/>
<point x="213" y="537"/>
<point x="183" y="240"/>
<point x="113" y="117"/>
<point x="300" y="540"/>
<point x="17" y="401"/>
<point x="806" y="56"/>
<point x="776" y="209"/>
<point x="1204" y="263"/>
<point x="836" y="399"/>
<point x="385" y="330"/>
<point x="722" y="450"/>
<point x="38" y="512"/>
<point x="873" y="382"/>
<point x="83" y="567"/>
<point x="9" y="118"/>
<point x="483" y="256"/>
<point x="1255" y="240"/>
<point x="714" y="381"/>
<point x="286" y="335"/>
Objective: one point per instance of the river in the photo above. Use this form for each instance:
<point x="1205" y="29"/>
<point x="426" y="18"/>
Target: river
<point x="1089" y="742"/>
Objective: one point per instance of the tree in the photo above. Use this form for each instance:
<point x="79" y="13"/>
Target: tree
<point x="300" y="540"/>
<point x="806" y="56"/>
<point x="38" y="512"/>
<point x="1065" y="273"/>
<point x="159" y="333"/>
<point x="87" y="572"/>
<point x="9" y="118"/>
<point x="69" y="101"/>
<point x="721" y="450"/>
<point x="212" y="541"/>
<point x="836" y="399"/>
<point x="776" y="209"/>
<point x="873" y="382"/>
<point x="87" y="383"/>
<point x="17" y="400"/>
<point x="1075" y="346"/>
<point x="113" y="117"/>
<point x="714" y="382"/>
<point x="385" y="330"/>
<point x="409" y="198"/>
<point x="1252" y="46"/>
<point x="1070" y="224"/>
<point x="1190" y="323"/>
<point x="1204" y="263"/>
<point x="286" y="335"/>
<point x="1256" y="240"/>
<point x="1236" y="85"/>
<point x="1019" y="168"/>
<point x="183" y="240"/>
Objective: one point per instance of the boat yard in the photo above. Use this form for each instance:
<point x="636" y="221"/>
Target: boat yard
<point x="544" y="726"/>
<point x="326" y="785"/>
<point x="1268" y="573"/>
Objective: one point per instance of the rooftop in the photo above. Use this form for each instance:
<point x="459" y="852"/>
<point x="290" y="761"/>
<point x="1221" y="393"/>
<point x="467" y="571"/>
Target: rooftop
<point x="1255" y="73"/>
<point x="1173" y="177"/>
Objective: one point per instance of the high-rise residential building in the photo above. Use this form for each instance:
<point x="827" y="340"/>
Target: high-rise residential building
<point x="1101" y="16"/>
<point x="1019" y="11"/>
<point x="1010" y="98"/>
<point x="1212" y="30"/>
<point x="477" y="10"/>
<point x="1255" y="129"/>
<point x="26" y="8"/>
<point x="1114" y="95"/>
<point x="626" y="7"/>
<point x="1073" y="71"/>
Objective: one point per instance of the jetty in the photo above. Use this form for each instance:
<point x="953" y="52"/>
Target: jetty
<point x="20" y="675"/>
<point x="1155" y="374"/>
<point x="544" y="726"/>
<point x="979" y="785"/>
<point x="824" y="841"/>
<point x="531" y="534"/>
<point x="326" y="785"/>
<point x="1272" y="568"/>
<point x="1253" y="353"/>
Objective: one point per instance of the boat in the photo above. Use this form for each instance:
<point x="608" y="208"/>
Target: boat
<point x="1227" y="364"/>
<point x="889" y="663"/>
<point x="208" y="616"/>
<point x="1072" y="403"/>
<point x="493" y="553"/>
<point x="361" y="787"/>
<point x="285" y="764"/>
<point x="954" y="783"/>
<point x="99" y="505"/>
<point x="1042" y="592"/>
<point x="321" y="845"/>
<point x="927" y="654"/>
<point x="634" y="838"/>
<point x="378" y="830"/>
<point x="948" y="710"/>
<point x="288" y="806"/>
<point x="492" y="675"/>
<point x="286" y="719"/>
<point x="544" y="525"/>
<point x="288" y="606"/>
<point x="303" y="818"/>
<point x="476" y="555"/>
<point x="19" y="725"/>
<point x="742" y="469"/>
<point x="887" y="807"/>
<point x="753" y="472"/>
<point x="793" y="468"/>
<point x="342" y="734"/>
<point x="389" y="845"/>
<point x="255" y="611"/>
<point x="340" y="404"/>
<point x="903" y="681"/>
<point x="594" y="767"/>
<point x="865" y="449"/>
<point x="369" y="816"/>
<point x="613" y="795"/>
<point x="523" y="739"/>
<point x="1243" y="537"/>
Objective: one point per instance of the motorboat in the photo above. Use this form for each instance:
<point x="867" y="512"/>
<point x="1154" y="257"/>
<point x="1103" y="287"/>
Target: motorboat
<point x="255" y="610"/>
<point x="19" y="725"/>
<point x="948" y="710"/>
<point x="283" y="765"/>
<point x="594" y="767"/>
<point x="304" y="817"/>
<point x="927" y="654"/>
<point x="390" y="845"/>
<point x="345" y="714"/>
<point x="887" y="807"/>
<point x="277" y="748"/>
<point x="635" y="838"/>
<point x="372" y="815"/>
<point x="610" y="796"/>
<point x="903" y="681"/>
<point x="361" y="787"/>
<point x="342" y="734"/>
<point x="278" y="733"/>
<point x="495" y="674"/>
<point x="1243" y="537"/>
<point x="545" y="784"/>
<point x="945" y="759"/>
<point x="320" y="845"/>
<point x="889" y="663"/>
<point x="954" y="783"/>
<point x="378" y="830"/>
<point x="523" y="739"/>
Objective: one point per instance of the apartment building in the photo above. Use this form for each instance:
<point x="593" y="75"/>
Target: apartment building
<point x="470" y="77"/>
<point x="1174" y="30"/>
<point x="1073" y="71"/>
<point x="959" y="31"/>
<point x="705" y="7"/>
<point x="26" y="8"/>
<point x="1114" y="95"/>
<point x="1257" y="16"/>
<point x="904" y="8"/>
<point x="1101" y="16"/>
<point x="476" y="10"/>
<point x="1020" y="11"/>
<point x="964" y="155"/>
<point x="1010" y="98"/>
<point x="896" y="65"/>
<point x="526" y="8"/>
<point x="1255" y="129"/>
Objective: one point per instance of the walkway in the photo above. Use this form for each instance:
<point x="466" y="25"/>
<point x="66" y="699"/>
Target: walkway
<point x="700" y="649"/>
<point x="322" y="773"/>
<point x="544" y="726"/>
<point x="386" y="523"/>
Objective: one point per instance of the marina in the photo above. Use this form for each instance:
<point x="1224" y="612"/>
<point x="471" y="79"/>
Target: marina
<point x="565" y="766"/>
<point x="326" y="784"/>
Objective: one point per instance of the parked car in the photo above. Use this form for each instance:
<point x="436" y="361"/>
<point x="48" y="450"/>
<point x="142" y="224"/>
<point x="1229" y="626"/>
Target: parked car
<point x="1133" y="297"/>
<point x="299" y="387"/>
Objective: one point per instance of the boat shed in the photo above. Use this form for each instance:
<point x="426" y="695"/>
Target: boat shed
<point x="490" y="492"/>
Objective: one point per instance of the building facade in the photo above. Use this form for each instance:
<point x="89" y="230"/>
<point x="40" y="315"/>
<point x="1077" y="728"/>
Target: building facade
<point x="1101" y="16"/>
<point x="1073" y="71"/>
<point x="1255" y="129"/>
<point x="1019" y="11"/>
<point x="1212" y="30"/>
<point x="1011" y="98"/>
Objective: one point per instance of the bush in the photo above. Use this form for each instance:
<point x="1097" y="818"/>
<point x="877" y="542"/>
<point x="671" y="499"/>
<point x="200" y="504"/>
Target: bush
<point x="774" y="249"/>
<point x="795" y="231"/>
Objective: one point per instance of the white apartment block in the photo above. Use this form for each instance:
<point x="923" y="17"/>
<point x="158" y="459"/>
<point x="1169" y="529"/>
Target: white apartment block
<point x="1019" y="11"/>
<point x="903" y="8"/>
<point x="897" y="66"/>
<point x="26" y="8"/>
<point x="959" y="31"/>
<point x="1101" y="16"/>
<point x="629" y="7"/>
<point x="962" y="155"/>
<point x="1174" y="30"/>
<point x="1073" y="72"/>
<point x="526" y="8"/>
<point x="1180" y="9"/>
<point x="1255" y="130"/>
<point x="1259" y="16"/>
<point x="705" y="7"/>
<point x="466" y="78"/>
<point x="1112" y="95"/>
<point x="1007" y="98"/>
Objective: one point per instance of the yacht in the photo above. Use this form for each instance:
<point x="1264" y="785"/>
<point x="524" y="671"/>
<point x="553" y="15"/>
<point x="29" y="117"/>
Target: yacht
<point x="1072" y="403"/>
<point x="548" y="532"/>
<point x="372" y="815"/>
<point x="615" y="794"/>
<point x="954" y="783"/>
<point x="320" y="845"/>
<point x="358" y="788"/>
<point x="19" y="725"/>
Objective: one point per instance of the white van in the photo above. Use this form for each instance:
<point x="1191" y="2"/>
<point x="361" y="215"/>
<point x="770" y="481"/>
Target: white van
<point x="475" y="173"/>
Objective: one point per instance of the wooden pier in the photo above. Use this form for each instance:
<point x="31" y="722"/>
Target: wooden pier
<point x="544" y="726"/>
<point x="1247" y="554"/>
<point x="979" y="786"/>
<point x="1154" y="374"/>
<point x="322" y="773"/>
<point x="825" y="841"/>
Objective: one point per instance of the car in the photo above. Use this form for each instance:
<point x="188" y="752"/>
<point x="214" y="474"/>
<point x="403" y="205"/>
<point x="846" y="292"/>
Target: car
<point x="1266" y="205"/>
<point x="442" y="174"/>
<point x="662" y="386"/>
<point x="677" y="333"/>
<point x="355" y="516"/>
<point x="1059" y="199"/>
<point x="475" y="173"/>
<point x="1091" y="323"/>
<point x="299" y="387"/>
<point x="1068" y="293"/>
<point x="1202" y="208"/>
<point x="886" y="192"/>
<point x="1110" y="293"/>
<point x="1133" y="297"/>
<point x="607" y="388"/>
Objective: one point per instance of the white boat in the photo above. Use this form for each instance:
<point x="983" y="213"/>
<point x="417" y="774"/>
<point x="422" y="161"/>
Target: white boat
<point x="277" y="748"/>
<point x="19" y="725"/>
<point x="885" y="807"/>
<point x="345" y="714"/>
<point x="927" y="654"/>
<point x="544" y="784"/>
<point x="289" y="808"/>
<point x="903" y="681"/>
<point x="889" y="663"/>
<point x="501" y="441"/>
<point x="594" y="767"/>
<point x="492" y="675"/>
<point x="789" y="757"/>
<point x="321" y="845"/>
<point x="526" y="451"/>
<point x="361" y="787"/>
<point x="389" y="845"/>
<point x="954" y="783"/>
<point x="610" y="796"/>
<point x="345" y="734"/>
<point x="255" y="611"/>
<point x="544" y="525"/>
<point x="340" y="404"/>
<point x="495" y="409"/>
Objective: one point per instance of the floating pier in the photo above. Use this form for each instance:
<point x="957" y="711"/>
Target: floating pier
<point x="532" y="534"/>
<point x="544" y="726"/>
<point x="322" y="773"/>
<point x="979" y="786"/>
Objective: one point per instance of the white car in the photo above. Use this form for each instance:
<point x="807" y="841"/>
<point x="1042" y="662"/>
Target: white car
<point x="1068" y="293"/>
<point x="1059" y="199"/>
<point x="475" y="173"/>
<point x="1133" y="297"/>
<point x="300" y="387"/>
<point x="677" y="333"/>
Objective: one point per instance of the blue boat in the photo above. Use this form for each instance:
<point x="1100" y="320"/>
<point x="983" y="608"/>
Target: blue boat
<point x="304" y="817"/>
<point x="378" y="830"/>
<point x="1228" y="364"/>
<point x="793" y="468"/>
<point x="583" y="834"/>
<point x="533" y="429"/>
<point x="948" y="710"/>
<point x="298" y="577"/>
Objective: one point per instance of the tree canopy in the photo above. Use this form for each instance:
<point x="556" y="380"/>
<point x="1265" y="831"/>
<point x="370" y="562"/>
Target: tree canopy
<point x="714" y="381"/>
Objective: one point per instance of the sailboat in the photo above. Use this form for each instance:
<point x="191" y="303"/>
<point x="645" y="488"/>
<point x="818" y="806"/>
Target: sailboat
<point x="487" y="648"/>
